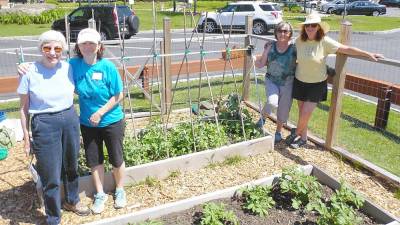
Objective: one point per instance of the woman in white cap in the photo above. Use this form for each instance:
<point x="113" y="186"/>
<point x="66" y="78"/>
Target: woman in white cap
<point x="46" y="93"/>
<point x="100" y="90"/>
<point x="280" y="59"/>
<point x="310" y="83"/>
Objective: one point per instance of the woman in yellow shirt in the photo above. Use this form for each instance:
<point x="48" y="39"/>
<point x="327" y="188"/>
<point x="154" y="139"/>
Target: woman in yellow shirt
<point x="310" y="83"/>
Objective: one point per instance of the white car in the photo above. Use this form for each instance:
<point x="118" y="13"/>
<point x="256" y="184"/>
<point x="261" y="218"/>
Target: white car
<point x="266" y="16"/>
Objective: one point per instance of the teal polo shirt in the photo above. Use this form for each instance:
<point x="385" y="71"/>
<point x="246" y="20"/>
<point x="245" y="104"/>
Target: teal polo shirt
<point x="95" y="85"/>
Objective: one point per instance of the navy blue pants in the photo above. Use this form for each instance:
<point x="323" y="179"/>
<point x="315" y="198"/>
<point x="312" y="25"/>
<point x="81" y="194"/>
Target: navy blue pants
<point x="56" y="147"/>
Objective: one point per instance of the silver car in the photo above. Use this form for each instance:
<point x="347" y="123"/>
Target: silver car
<point x="331" y="6"/>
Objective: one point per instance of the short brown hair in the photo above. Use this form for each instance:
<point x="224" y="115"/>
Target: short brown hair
<point x="100" y="52"/>
<point x="318" y="37"/>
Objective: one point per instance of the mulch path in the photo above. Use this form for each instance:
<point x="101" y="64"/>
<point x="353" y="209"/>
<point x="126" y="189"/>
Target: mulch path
<point x="18" y="204"/>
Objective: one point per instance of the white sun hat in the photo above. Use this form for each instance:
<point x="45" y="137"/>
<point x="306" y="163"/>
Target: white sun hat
<point x="315" y="18"/>
<point x="88" y="35"/>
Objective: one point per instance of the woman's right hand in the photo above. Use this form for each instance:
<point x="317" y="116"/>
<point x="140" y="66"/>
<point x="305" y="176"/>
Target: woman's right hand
<point x="27" y="147"/>
<point x="22" y="69"/>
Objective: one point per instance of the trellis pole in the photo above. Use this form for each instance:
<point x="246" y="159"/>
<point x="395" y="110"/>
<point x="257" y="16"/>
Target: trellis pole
<point x="337" y="87"/>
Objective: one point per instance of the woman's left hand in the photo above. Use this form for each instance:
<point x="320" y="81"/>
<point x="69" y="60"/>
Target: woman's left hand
<point x="376" y="56"/>
<point x="95" y="119"/>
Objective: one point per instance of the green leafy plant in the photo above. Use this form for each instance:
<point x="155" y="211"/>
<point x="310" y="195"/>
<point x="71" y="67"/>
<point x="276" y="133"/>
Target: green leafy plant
<point x="346" y="195"/>
<point x="215" y="214"/>
<point x="207" y="135"/>
<point x="337" y="213"/>
<point x="340" y="210"/>
<point x="305" y="189"/>
<point x="232" y="114"/>
<point x="257" y="199"/>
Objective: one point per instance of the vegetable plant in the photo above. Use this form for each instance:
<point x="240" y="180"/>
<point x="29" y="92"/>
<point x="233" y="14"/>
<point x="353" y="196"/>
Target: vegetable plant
<point x="215" y="214"/>
<point x="305" y="189"/>
<point x="340" y="210"/>
<point x="231" y="114"/>
<point x="258" y="199"/>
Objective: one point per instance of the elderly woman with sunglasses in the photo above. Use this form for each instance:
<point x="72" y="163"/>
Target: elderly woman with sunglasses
<point x="280" y="59"/>
<point x="310" y="83"/>
<point x="46" y="93"/>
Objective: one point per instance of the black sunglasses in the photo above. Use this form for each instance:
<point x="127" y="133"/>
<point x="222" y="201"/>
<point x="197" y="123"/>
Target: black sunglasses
<point x="313" y="25"/>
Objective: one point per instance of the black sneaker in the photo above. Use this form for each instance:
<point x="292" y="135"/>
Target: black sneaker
<point x="298" y="143"/>
<point x="289" y="139"/>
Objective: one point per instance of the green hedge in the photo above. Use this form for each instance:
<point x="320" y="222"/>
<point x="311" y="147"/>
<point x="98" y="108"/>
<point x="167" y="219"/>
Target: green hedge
<point x="24" y="19"/>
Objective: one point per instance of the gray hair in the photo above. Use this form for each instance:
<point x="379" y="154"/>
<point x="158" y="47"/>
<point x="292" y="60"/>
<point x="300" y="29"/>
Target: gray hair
<point x="281" y="25"/>
<point x="50" y="36"/>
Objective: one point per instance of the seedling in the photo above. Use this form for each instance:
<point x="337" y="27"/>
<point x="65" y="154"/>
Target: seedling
<point x="258" y="199"/>
<point x="174" y="174"/>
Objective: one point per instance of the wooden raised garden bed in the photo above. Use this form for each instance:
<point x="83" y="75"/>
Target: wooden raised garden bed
<point x="373" y="213"/>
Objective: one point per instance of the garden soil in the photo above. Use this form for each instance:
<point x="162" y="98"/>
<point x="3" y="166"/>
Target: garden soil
<point x="19" y="205"/>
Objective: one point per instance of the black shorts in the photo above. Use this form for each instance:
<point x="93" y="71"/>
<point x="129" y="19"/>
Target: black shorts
<point x="310" y="92"/>
<point x="93" y="138"/>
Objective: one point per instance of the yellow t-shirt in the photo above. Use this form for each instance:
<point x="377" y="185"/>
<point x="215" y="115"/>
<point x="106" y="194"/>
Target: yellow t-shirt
<point x="311" y="58"/>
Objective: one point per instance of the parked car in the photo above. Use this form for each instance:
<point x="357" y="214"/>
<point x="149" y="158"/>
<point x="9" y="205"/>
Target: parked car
<point x="105" y="18"/>
<point x="362" y="8"/>
<point x="394" y="3"/>
<point x="323" y="2"/>
<point x="330" y="7"/>
<point x="266" y="16"/>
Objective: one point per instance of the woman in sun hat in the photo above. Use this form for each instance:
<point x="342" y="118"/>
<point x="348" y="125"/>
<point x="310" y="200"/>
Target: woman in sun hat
<point x="310" y="83"/>
<point x="99" y="87"/>
<point x="46" y="94"/>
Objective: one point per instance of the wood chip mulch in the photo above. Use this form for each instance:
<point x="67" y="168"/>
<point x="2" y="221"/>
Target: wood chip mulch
<point x="18" y="201"/>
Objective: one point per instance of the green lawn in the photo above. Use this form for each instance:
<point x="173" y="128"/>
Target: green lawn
<point x="356" y="132"/>
<point x="143" y="10"/>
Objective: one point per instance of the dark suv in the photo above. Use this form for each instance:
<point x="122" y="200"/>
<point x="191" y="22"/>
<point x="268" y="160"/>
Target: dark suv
<point x="105" y="21"/>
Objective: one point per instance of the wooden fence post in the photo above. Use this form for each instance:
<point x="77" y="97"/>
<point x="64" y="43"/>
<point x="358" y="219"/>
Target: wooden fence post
<point x="166" y="82"/>
<point x="247" y="60"/>
<point x="383" y="108"/>
<point x="337" y="87"/>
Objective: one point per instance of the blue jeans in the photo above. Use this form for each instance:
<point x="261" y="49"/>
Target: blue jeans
<point x="56" y="147"/>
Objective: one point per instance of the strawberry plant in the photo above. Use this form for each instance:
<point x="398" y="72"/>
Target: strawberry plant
<point x="258" y="199"/>
<point x="305" y="189"/>
<point x="215" y="214"/>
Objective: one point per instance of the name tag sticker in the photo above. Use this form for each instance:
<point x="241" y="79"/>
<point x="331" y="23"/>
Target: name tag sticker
<point x="97" y="76"/>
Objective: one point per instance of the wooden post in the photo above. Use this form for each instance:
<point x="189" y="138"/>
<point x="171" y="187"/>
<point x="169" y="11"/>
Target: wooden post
<point x="166" y="67"/>
<point x="247" y="60"/>
<point x="383" y="108"/>
<point x="337" y="87"/>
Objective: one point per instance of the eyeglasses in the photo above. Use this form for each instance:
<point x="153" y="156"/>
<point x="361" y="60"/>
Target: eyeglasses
<point x="283" y="31"/>
<point x="47" y="49"/>
<point x="313" y="25"/>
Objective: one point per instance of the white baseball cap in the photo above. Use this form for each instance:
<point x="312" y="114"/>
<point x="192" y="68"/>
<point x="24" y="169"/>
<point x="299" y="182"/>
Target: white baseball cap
<point x="88" y="35"/>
